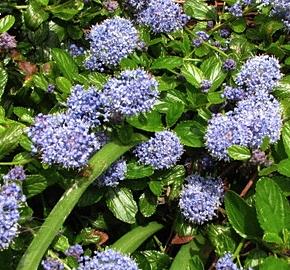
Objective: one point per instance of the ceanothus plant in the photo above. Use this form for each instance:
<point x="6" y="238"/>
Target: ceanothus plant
<point x="144" y="134"/>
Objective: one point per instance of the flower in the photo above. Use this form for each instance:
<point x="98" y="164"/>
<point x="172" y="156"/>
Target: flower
<point x="110" y="42"/>
<point x="111" y="5"/>
<point x="281" y="9"/>
<point x="52" y="264"/>
<point x="84" y="104"/>
<point x="259" y="74"/>
<point x="10" y="198"/>
<point x="116" y="173"/>
<point x="234" y="93"/>
<point x="62" y="139"/>
<point x="132" y="92"/>
<point x="229" y="64"/>
<point x="263" y="117"/>
<point x="161" y="151"/>
<point x="7" y="41"/>
<point x="16" y="173"/>
<point x="50" y="88"/>
<point x="225" y="33"/>
<point x="75" y="50"/>
<point x="226" y="263"/>
<point x="200" y="198"/>
<point x="224" y="131"/>
<point x="205" y="85"/>
<point x="137" y="5"/>
<point x="108" y="260"/>
<point x="162" y="16"/>
<point x="75" y="251"/>
<point x="236" y="10"/>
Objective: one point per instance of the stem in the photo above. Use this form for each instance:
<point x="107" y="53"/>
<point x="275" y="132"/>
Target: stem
<point x="239" y="248"/>
<point x="133" y="239"/>
<point x="216" y="49"/>
<point x="16" y="162"/>
<point x="49" y="229"/>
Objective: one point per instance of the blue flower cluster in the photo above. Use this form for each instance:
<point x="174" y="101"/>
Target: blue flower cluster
<point x="201" y="37"/>
<point x="117" y="172"/>
<point x="236" y="10"/>
<point x="226" y="263"/>
<point x="133" y="92"/>
<point x="108" y="260"/>
<point x="137" y="4"/>
<point x="229" y="64"/>
<point x="257" y="114"/>
<point x="225" y="33"/>
<point x="75" y="251"/>
<point x="85" y="104"/>
<point x="200" y="198"/>
<point x="52" y="264"/>
<point x="7" y="41"/>
<point x="111" y="5"/>
<point x="260" y="73"/>
<point x="10" y="198"/>
<point x="234" y="93"/>
<point x="205" y="85"/>
<point x="224" y="131"/>
<point x="262" y="116"/>
<point x="251" y="121"/>
<point x="50" y="88"/>
<point x="62" y="139"/>
<point x="162" y="151"/>
<point x="110" y="42"/>
<point x="162" y="16"/>
<point x="75" y="50"/>
<point x="16" y="173"/>
<point x="280" y="9"/>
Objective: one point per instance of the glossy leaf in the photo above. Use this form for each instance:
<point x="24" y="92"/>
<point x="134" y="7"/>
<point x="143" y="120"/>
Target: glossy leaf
<point x="121" y="203"/>
<point x="239" y="213"/>
<point x="6" y="23"/>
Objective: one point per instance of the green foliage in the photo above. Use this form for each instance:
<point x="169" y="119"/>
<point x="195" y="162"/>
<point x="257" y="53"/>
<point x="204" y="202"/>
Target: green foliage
<point x="141" y="216"/>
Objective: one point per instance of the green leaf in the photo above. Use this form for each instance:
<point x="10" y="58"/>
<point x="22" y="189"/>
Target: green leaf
<point x="190" y="133"/>
<point x="6" y="23"/>
<point x="238" y="152"/>
<point x="122" y="204"/>
<point x="150" y="121"/>
<point x="40" y="81"/>
<point x="35" y="15"/>
<point x="61" y="243"/>
<point x="24" y="114"/>
<point x="272" y="207"/>
<point x="33" y="185"/>
<point x="286" y="137"/>
<point x="239" y="25"/>
<point x="91" y="196"/>
<point x="199" y="10"/>
<point x="136" y="171"/>
<point x="154" y="259"/>
<point x="192" y="74"/>
<point x="284" y="167"/>
<point x="65" y="63"/>
<point x="63" y="84"/>
<point x="172" y="108"/>
<point x="9" y="139"/>
<point x="67" y="10"/>
<point x="185" y="260"/>
<point x="169" y="62"/>
<point x="129" y="242"/>
<point x="273" y="263"/>
<point x="222" y="239"/>
<point x="3" y="80"/>
<point x="147" y="204"/>
<point x="239" y="213"/>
